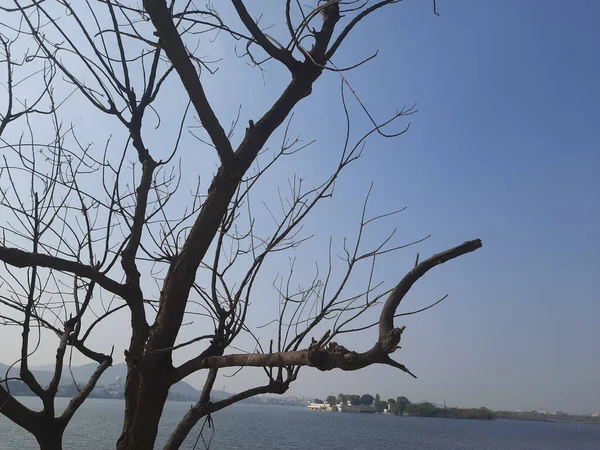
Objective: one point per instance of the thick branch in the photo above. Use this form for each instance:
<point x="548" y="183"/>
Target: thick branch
<point x="331" y="16"/>
<point x="335" y="356"/>
<point x="15" y="411"/>
<point x="58" y="367"/>
<point x="20" y="258"/>
<point x="386" y="320"/>
<point x="181" y="275"/>
<point x="280" y="54"/>
<point x="128" y="255"/>
<point x="171" y="42"/>
<point x="344" y="34"/>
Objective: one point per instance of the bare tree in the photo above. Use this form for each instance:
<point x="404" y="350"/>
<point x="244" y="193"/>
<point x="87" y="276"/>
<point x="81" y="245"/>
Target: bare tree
<point x="90" y="231"/>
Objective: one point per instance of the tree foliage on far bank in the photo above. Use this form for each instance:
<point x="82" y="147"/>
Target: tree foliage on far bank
<point x="402" y="406"/>
<point x="427" y="409"/>
<point x="332" y="400"/>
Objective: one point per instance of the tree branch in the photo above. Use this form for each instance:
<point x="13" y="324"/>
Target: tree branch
<point x="181" y="275"/>
<point x="333" y="355"/>
<point x="205" y="407"/>
<point x="271" y="388"/>
<point x="386" y="320"/>
<point x="195" y="413"/>
<point x="171" y="42"/>
<point x="77" y="401"/>
<point x="16" y="411"/>
<point x="19" y="258"/>
<point x="280" y="54"/>
<point x="336" y="44"/>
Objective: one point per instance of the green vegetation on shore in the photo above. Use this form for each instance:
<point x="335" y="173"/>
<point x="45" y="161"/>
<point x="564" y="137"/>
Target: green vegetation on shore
<point x="427" y="409"/>
<point x="557" y="416"/>
<point x="402" y="406"/>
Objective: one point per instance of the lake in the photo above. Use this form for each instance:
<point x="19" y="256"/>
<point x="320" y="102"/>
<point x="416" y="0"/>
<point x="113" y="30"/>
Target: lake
<point x="97" y="424"/>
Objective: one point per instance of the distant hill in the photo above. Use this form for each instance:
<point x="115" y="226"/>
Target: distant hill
<point x="179" y="391"/>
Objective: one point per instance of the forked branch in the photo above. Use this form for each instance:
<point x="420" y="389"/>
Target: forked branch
<point x="335" y="356"/>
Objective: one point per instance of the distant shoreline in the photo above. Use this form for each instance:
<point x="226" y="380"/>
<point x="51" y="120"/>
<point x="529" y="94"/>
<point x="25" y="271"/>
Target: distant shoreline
<point x="403" y="407"/>
<point x="514" y="419"/>
<point x="550" y="421"/>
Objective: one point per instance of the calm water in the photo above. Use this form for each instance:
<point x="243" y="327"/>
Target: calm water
<point x="96" y="427"/>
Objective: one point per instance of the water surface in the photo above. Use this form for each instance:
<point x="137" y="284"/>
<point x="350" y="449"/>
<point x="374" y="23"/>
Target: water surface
<point x="97" y="424"/>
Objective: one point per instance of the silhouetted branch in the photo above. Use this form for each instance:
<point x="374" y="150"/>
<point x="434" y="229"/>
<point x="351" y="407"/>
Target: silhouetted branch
<point x="20" y="258"/>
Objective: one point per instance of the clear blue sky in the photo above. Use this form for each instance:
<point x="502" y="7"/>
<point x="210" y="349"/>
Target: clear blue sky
<point x="505" y="147"/>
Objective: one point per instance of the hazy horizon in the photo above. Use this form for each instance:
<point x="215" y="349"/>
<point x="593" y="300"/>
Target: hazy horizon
<point x="50" y="367"/>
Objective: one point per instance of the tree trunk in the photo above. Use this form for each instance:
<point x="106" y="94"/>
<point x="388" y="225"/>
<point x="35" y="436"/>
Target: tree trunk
<point x="152" y="396"/>
<point x="50" y="437"/>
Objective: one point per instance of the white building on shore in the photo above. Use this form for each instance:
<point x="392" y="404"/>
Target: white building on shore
<point x="321" y="407"/>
